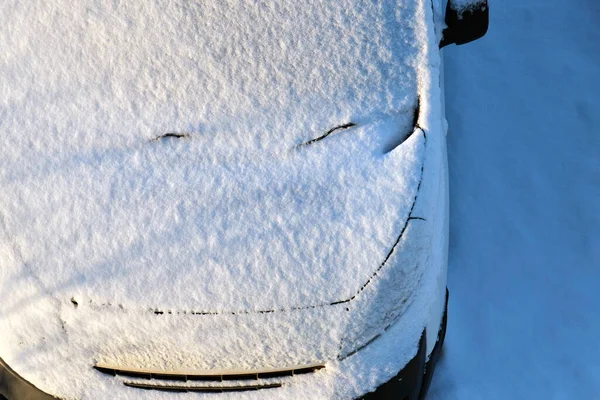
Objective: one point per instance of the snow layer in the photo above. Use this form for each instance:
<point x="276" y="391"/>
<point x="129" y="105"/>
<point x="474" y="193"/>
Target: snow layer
<point x="98" y="212"/>
<point x="234" y="216"/>
<point x="229" y="233"/>
<point x="524" y="146"/>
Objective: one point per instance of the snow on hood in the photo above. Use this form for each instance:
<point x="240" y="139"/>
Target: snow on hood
<point x="235" y="215"/>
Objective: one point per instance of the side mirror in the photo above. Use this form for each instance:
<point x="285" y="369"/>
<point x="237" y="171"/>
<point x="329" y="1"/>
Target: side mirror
<point x="466" y="20"/>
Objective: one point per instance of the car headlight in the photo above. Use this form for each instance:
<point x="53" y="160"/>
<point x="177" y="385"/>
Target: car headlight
<point x="391" y="290"/>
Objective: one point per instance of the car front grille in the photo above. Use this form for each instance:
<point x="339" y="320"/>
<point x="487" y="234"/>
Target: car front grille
<point x="200" y="389"/>
<point x="190" y="377"/>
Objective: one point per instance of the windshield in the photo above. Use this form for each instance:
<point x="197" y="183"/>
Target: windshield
<point x="93" y="73"/>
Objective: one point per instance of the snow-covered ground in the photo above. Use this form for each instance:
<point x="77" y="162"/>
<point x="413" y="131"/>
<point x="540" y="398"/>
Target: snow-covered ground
<point x="524" y="150"/>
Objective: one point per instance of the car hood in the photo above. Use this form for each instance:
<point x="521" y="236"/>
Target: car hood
<point x="164" y="155"/>
<point x="157" y="258"/>
<point x="163" y="225"/>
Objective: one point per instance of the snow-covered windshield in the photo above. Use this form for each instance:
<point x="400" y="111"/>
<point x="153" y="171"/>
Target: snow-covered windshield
<point x="95" y="73"/>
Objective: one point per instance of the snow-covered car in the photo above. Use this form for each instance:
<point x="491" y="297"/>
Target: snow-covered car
<point x="224" y="199"/>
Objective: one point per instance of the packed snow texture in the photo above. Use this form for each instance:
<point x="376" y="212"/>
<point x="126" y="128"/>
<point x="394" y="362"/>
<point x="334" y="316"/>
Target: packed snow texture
<point x="524" y="153"/>
<point x="235" y="215"/>
<point x="235" y="235"/>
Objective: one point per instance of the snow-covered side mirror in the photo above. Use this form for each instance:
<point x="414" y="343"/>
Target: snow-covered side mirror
<point x="466" y="20"/>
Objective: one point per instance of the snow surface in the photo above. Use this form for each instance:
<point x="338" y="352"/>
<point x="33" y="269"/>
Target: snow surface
<point x="234" y="216"/>
<point x="99" y="218"/>
<point x="523" y="149"/>
<point x="524" y="152"/>
<point x="464" y="4"/>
